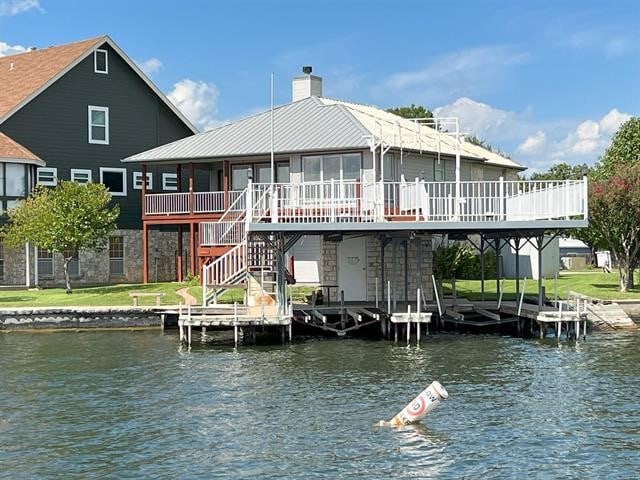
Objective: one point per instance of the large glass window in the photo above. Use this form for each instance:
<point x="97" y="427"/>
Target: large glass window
<point x="1" y="179"/>
<point x="115" y="179"/>
<point x="438" y="170"/>
<point x="116" y="256"/>
<point x="16" y="180"/>
<point x="337" y="167"/>
<point x="239" y="177"/>
<point x="389" y="165"/>
<point x="262" y="173"/>
<point x="282" y="172"/>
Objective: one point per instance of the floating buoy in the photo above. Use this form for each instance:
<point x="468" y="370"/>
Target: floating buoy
<point x="420" y="406"/>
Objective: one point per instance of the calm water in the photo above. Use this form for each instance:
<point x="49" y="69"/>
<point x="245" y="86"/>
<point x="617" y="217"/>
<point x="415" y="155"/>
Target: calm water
<point x="133" y="405"/>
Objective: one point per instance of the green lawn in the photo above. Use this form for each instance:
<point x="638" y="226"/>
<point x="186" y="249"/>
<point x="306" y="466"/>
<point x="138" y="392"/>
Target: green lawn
<point x="592" y="283"/>
<point x="103" y="296"/>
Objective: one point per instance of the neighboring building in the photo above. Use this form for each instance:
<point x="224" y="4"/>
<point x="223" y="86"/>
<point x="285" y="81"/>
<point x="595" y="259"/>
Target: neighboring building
<point x="71" y="112"/>
<point x="575" y="254"/>
<point x="355" y="196"/>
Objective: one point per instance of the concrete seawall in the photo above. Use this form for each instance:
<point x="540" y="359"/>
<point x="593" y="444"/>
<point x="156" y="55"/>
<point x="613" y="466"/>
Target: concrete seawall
<point x="53" y="318"/>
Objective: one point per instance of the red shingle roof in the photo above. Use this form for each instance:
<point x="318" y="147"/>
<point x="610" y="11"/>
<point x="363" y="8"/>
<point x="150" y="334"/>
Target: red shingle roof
<point x="23" y="74"/>
<point x="12" y="150"/>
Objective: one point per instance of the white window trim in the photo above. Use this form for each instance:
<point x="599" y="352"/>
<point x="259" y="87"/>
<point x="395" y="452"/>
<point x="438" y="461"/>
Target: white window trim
<point x="53" y="266"/>
<point x="170" y="176"/>
<point x="137" y="181"/>
<point x="82" y="171"/>
<point x="123" y="172"/>
<point x="93" y="108"/>
<point x="106" y="61"/>
<point x="48" y="183"/>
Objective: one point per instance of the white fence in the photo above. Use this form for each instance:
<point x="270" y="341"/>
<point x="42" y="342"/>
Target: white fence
<point x="221" y="233"/>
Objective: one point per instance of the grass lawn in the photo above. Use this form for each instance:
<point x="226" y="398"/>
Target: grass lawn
<point x="103" y="296"/>
<point x="299" y="294"/>
<point x="592" y="283"/>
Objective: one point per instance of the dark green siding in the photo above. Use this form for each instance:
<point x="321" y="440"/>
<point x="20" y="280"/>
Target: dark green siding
<point x="55" y="126"/>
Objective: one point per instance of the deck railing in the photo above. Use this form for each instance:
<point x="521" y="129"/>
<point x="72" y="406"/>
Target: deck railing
<point x="355" y="201"/>
<point x="195" y="202"/>
<point x="475" y="201"/>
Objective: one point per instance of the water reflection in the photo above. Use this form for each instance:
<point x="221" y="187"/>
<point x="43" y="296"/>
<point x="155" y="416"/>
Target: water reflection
<point x="121" y="404"/>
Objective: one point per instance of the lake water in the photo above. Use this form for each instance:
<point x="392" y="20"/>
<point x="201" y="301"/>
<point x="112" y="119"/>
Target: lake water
<point x="135" y="405"/>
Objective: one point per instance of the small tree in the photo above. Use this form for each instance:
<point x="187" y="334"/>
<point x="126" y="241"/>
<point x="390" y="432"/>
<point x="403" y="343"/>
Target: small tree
<point x="68" y="218"/>
<point x="414" y="111"/>
<point x="614" y="212"/>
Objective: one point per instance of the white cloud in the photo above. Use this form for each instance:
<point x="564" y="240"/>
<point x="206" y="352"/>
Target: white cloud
<point x="612" y="41"/>
<point x="533" y="143"/>
<point x="198" y="100"/>
<point x="610" y="123"/>
<point x="6" y="49"/>
<point x="466" y="72"/>
<point x="150" y="66"/>
<point x="480" y="119"/>
<point x="9" y="8"/>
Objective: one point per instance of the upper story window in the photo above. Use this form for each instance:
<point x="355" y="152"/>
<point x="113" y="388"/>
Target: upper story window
<point x="438" y="170"/>
<point x="101" y="61"/>
<point x="170" y="181"/>
<point x="99" y="125"/>
<point x="321" y="168"/>
<point x="47" y="176"/>
<point x="15" y="180"/>
<point x="115" y="179"/>
<point x="80" y="175"/>
<point x="137" y="181"/>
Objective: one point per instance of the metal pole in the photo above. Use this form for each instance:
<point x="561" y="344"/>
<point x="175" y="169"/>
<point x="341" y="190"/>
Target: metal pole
<point x="457" y="206"/>
<point x="273" y="171"/>
<point x="482" y="267"/>
<point x="406" y="272"/>
<point x="540" y="241"/>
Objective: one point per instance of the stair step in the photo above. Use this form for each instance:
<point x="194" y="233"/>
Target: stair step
<point x="228" y="285"/>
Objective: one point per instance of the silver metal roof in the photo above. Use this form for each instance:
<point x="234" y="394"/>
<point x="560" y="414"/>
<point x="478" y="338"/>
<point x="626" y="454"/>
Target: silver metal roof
<point x="314" y="124"/>
<point x="305" y="125"/>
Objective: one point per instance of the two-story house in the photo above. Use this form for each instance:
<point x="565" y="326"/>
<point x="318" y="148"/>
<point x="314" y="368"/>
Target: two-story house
<point x="341" y="194"/>
<point x="72" y="112"/>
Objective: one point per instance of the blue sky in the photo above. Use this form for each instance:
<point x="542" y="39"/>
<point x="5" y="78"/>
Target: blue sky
<point x="545" y="81"/>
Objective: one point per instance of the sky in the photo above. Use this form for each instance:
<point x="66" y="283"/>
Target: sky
<point x="545" y="81"/>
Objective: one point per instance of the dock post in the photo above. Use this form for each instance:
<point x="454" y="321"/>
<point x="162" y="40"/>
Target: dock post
<point x="204" y="332"/>
<point x="235" y="335"/>
<point x="180" y="330"/>
<point x="377" y="299"/>
<point x="559" y="328"/>
<point x="418" y="308"/>
<point x="540" y="326"/>
<point x="291" y="332"/>
<point x="189" y="335"/>
<point x="343" y="319"/>
<point x="408" y="324"/>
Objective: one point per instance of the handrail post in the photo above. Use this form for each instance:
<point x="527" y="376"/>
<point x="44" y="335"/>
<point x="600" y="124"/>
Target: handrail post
<point x="585" y="197"/>
<point x="249" y="202"/>
<point x="503" y="206"/>
<point x="417" y="205"/>
<point x="191" y="188"/>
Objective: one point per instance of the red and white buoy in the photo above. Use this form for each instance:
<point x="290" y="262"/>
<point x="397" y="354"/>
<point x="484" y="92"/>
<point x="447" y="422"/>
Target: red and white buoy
<point x="420" y="406"/>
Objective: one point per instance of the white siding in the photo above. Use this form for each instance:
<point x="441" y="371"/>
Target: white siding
<point x="306" y="259"/>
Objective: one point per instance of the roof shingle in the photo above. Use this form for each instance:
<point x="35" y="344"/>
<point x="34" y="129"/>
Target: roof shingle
<point x="12" y="150"/>
<point x="23" y="74"/>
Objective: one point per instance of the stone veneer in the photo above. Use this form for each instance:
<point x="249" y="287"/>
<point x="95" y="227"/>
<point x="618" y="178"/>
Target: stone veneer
<point x="329" y="259"/>
<point x="94" y="265"/>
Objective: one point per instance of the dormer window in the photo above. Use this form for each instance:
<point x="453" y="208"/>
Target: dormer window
<point x="100" y="61"/>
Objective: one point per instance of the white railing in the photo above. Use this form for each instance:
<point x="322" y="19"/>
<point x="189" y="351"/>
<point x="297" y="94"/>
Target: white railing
<point x="196" y="202"/>
<point x="478" y="201"/>
<point x="228" y="269"/>
<point x="221" y="233"/>
<point x="166" y="203"/>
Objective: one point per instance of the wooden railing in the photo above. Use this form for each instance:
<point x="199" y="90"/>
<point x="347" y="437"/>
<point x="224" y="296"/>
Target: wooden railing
<point x="192" y="202"/>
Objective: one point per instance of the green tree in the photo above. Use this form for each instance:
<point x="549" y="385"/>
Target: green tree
<point x="614" y="207"/>
<point x="65" y="219"/>
<point x="414" y="111"/>
<point x="624" y="149"/>
<point x="561" y="171"/>
<point x="481" y="142"/>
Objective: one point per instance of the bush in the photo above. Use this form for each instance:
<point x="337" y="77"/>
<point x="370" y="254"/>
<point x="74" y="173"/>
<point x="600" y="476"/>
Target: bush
<point x="460" y="261"/>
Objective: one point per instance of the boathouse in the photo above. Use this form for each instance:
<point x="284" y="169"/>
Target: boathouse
<point x="340" y="194"/>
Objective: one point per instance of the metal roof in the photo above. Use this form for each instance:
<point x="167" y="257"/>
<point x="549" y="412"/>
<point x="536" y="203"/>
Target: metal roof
<point x="314" y="124"/>
<point x="306" y="125"/>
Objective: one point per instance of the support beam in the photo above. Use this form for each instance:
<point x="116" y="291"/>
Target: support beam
<point x="192" y="243"/>
<point x="225" y="183"/>
<point x="482" y="248"/>
<point x="179" y="256"/>
<point x="540" y="248"/>
<point x="145" y="253"/>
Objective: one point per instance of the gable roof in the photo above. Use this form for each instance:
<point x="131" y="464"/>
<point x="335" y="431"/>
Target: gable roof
<point x="317" y="123"/>
<point x="23" y="76"/>
<point x="12" y="151"/>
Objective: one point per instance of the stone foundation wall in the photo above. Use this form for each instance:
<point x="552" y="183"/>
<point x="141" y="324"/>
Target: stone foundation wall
<point x="94" y="265"/>
<point x="417" y="267"/>
<point x="61" y="318"/>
